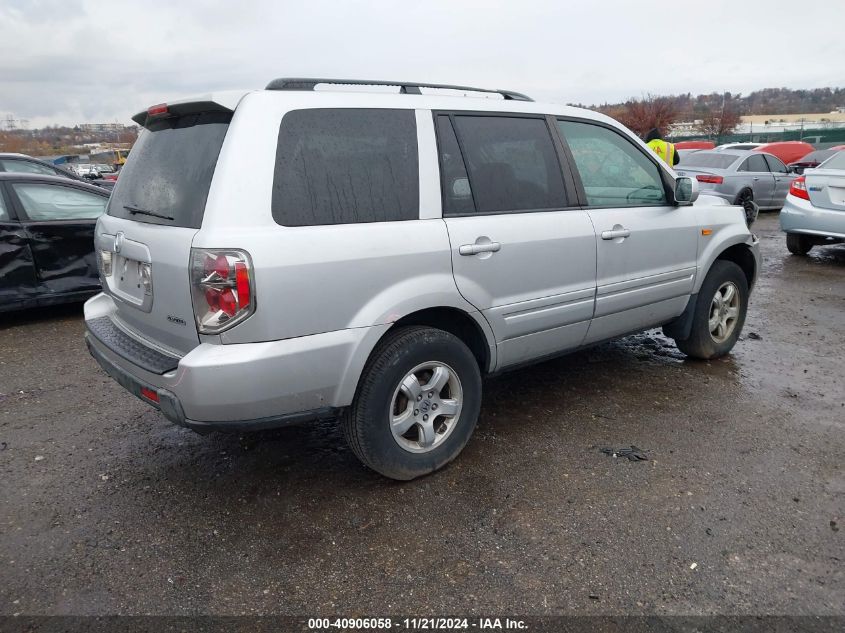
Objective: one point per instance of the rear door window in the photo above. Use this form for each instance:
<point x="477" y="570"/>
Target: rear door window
<point x="511" y="162"/>
<point x="169" y="171"/>
<point x="755" y="163"/>
<point x="344" y="166"/>
<point x="457" y="194"/>
<point x="776" y="165"/>
<point x="48" y="202"/>
<point x="614" y="171"/>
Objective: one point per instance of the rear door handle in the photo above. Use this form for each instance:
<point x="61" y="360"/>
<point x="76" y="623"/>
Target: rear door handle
<point x="615" y="233"/>
<point x="475" y="249"/>
<point x="756" y="178"/>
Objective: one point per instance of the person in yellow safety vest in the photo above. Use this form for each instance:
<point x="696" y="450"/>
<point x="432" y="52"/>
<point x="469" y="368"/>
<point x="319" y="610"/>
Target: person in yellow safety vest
<point x="667" y="152"/>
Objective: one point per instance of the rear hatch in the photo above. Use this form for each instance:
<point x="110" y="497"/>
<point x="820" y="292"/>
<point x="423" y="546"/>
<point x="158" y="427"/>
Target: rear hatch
<point x="155" y="210"/>
<point x="826" y="188"/>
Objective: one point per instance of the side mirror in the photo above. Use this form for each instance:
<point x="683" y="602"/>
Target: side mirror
<point x="686" y="191"/>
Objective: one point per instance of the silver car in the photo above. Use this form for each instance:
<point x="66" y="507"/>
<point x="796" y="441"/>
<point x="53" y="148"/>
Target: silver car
<point x="739" y="176"/>
<point x="291" y="254"/>
<point x="814" y="213"/>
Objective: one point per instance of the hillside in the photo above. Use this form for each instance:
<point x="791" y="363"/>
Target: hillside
<point x="766" y="101"/>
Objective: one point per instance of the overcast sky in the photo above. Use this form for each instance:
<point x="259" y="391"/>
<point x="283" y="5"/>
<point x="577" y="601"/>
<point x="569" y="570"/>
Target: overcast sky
<point x="73" y="61"/>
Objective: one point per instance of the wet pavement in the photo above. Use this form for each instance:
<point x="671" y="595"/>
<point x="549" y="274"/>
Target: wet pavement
<point x="106" y="508"/>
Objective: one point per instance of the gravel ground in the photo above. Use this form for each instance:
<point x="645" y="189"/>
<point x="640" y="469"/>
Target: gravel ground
<point x="105" y="508"/>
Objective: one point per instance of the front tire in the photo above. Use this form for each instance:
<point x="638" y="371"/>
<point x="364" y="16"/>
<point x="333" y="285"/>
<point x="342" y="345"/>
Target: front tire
<point x="719" y="312"/>
<point x="798" y="244"/>
<point x="416" y="405"/>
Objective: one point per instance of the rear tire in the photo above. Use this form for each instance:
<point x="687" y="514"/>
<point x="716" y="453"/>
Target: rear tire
<point x="719" y="312"/>
<point x="798" y="244"/>
<point x="416" y="405"/>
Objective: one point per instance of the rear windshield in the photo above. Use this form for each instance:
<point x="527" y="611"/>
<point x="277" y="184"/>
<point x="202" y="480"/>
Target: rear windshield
<point x="708" y="159"/>
<point x="837" y="161"/>
<point x="818" y="156"/>
<point x="167" y="175"/>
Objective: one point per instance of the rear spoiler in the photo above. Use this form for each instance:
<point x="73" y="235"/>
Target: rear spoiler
<point x="165" y="110"/>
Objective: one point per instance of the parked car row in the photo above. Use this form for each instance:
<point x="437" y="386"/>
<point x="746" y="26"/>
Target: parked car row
<point x="21" y="163"/>
<point x="744" y="172"/>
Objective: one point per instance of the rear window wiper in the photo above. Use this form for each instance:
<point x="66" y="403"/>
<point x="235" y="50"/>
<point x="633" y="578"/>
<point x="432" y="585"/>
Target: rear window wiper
<point x="134" y="210"/>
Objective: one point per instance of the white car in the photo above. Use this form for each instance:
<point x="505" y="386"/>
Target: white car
<point x="814" y="211"/>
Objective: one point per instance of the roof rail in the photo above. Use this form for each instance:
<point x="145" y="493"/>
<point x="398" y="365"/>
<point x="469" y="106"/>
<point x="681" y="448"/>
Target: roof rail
<point x="405" y="87"/>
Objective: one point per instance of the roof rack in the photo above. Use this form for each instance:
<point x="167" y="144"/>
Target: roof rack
<point x="405" y="87"/>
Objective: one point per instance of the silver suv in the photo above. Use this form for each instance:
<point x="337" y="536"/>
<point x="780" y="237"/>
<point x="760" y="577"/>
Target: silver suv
<point x="297" y="253"/>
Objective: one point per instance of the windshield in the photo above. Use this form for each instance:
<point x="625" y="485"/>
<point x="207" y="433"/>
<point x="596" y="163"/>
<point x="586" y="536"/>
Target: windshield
<point x="837" y="161"/>
<point x="709" y="159"/>
<point x="167" y="176"/>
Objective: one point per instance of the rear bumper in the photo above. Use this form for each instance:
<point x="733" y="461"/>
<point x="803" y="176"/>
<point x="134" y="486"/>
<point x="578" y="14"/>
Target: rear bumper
<point x="800" y="216"/>
<point x="171" y="407"/>
<point x="248" y="386"/>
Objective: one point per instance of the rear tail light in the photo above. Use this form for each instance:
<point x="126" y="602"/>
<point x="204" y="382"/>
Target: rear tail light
<point x="221" y="288"/>
<point x="710" y="178"/>
<point x="798" y="188"/>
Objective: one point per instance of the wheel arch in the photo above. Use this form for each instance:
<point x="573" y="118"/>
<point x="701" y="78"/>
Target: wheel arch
<point x="742" y="189"/>
<point x="741" y="255"/>
<point x="738" y="253"/>
<point x="471" y="328"/>
<point x="466" y="327"/>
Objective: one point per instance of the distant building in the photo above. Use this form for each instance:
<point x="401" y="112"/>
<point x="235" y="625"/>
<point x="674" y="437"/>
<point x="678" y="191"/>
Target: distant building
<point x="105" y="127"/>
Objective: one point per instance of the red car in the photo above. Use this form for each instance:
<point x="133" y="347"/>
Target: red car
<point x="695" y="145"/>
<point x="787" y="151"/>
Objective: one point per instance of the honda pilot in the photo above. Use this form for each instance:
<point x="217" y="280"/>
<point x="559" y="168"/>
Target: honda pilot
<point x="310" y="252"/>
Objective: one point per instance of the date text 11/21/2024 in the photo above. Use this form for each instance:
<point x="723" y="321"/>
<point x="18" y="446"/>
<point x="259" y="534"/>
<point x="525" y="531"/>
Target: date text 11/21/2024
<point x="416" y="624"/>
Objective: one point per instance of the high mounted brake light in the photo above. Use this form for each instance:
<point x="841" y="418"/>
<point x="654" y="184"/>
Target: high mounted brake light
<point x="221" y="288"/>
<point x="157" y="110"/>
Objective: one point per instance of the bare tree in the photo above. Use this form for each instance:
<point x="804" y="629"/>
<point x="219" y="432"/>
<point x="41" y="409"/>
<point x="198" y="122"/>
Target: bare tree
<point x="718" y="121"/>
<point x="645" y="114"/>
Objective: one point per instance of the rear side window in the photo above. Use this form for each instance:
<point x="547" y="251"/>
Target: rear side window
<point x="344" y="166"/>
<point x="167" y="176"/>
<point x="511" y="161"/>
<point x="4" y="215"/>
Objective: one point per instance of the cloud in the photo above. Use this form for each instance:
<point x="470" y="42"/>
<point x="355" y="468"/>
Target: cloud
<point x="69" y="61"/>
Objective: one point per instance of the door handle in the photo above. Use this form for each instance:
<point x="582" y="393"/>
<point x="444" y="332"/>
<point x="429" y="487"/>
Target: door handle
<point x="756" y="178"/>
<point x="475" y="249"/>
<point x="615" y="233"/>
